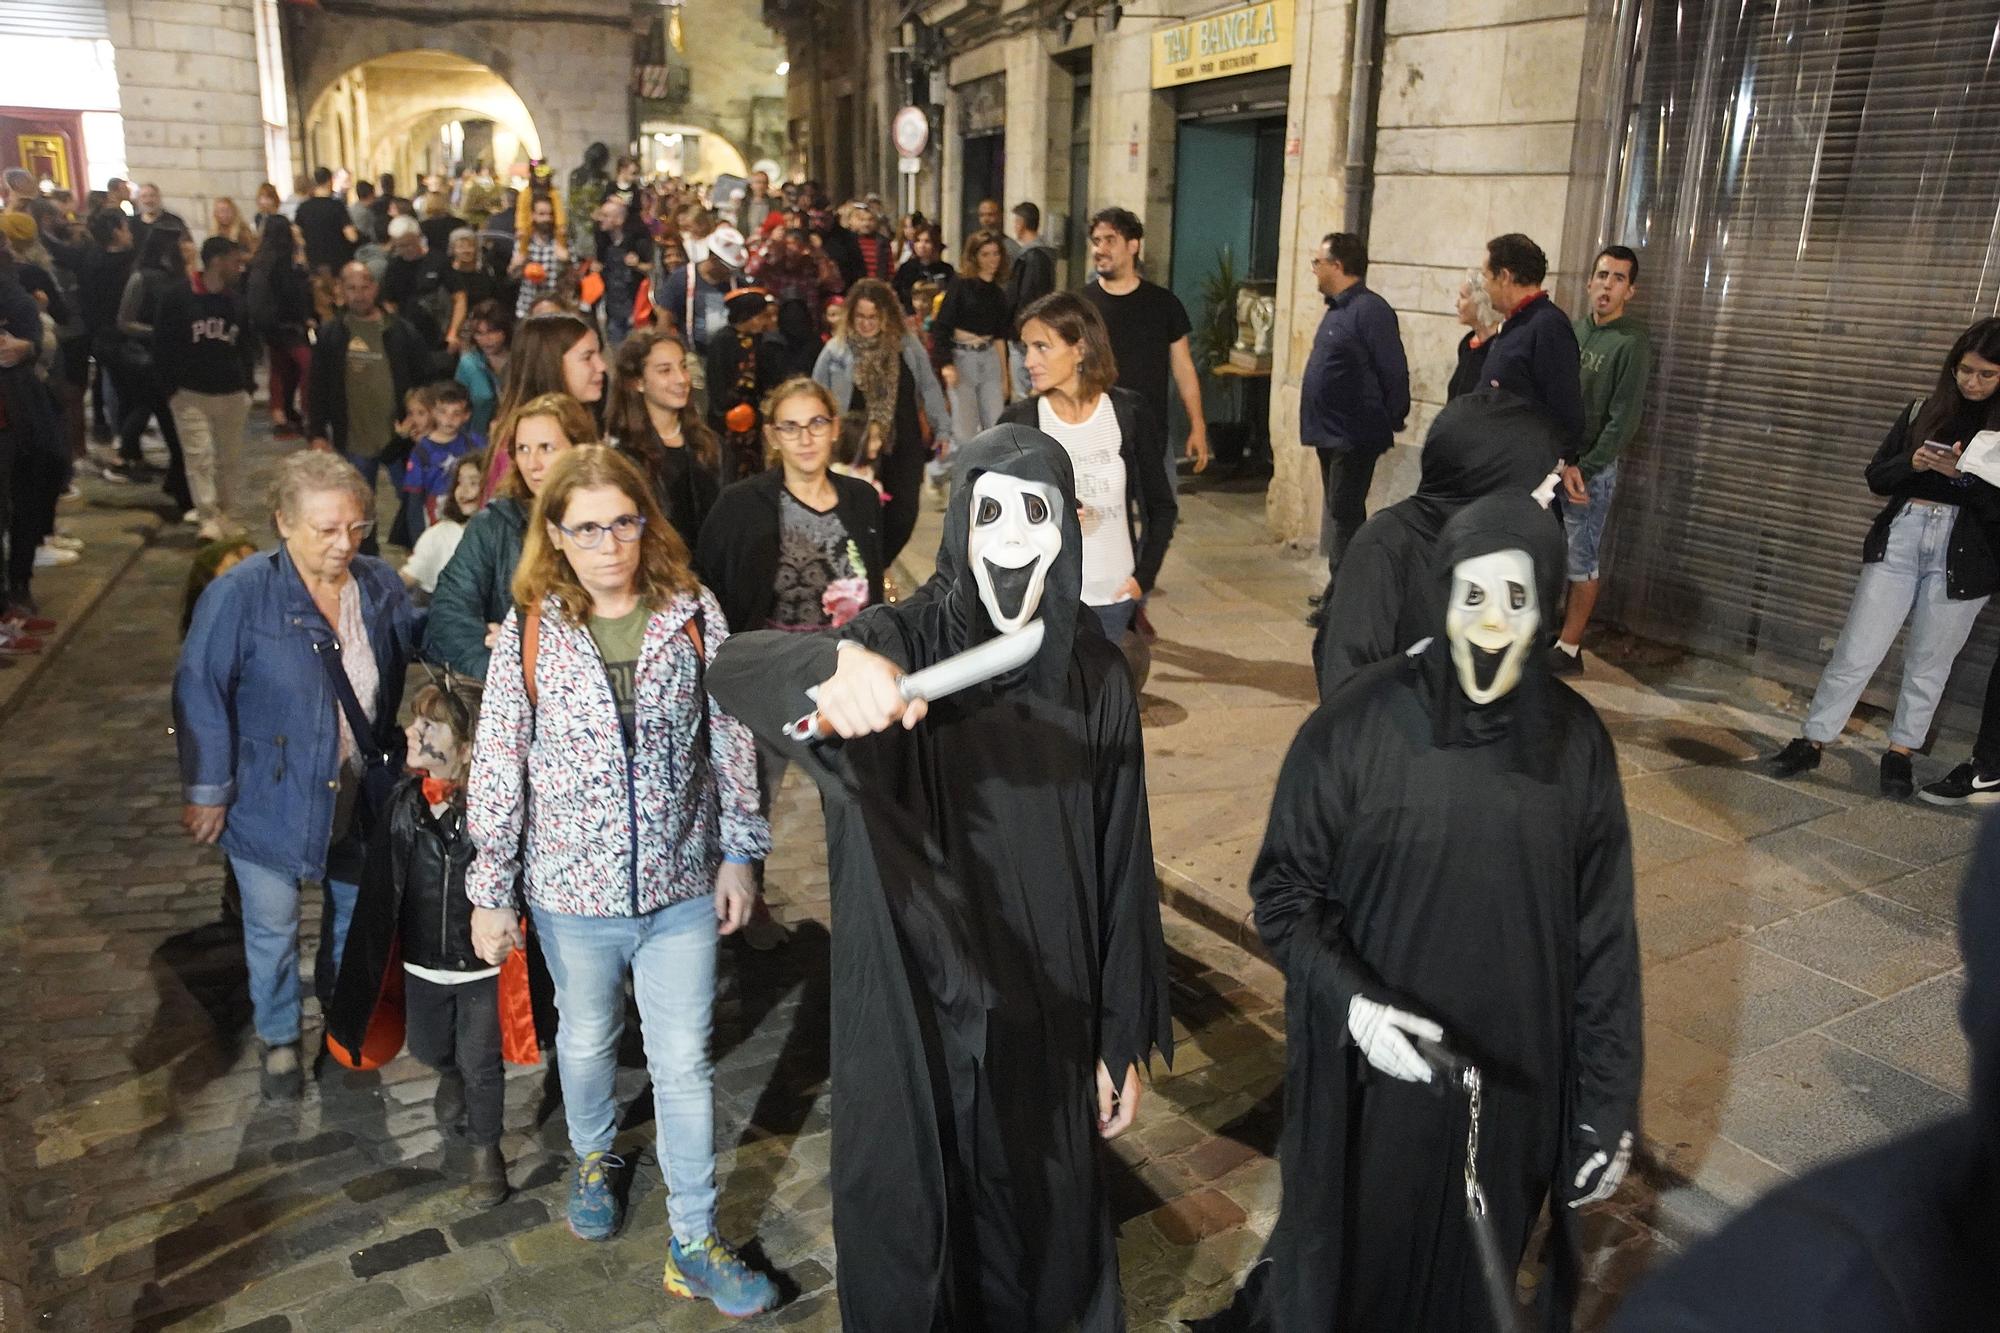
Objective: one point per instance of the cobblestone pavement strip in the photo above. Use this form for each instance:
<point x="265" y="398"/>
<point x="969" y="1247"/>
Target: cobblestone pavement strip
<point x="146" y="1187"/>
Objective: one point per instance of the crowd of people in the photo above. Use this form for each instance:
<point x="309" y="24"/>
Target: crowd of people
<point x="653" y="457"/>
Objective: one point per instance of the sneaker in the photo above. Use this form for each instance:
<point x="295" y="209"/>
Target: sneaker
<point x="192" y="518"/>
<point x="15" y="645"/>
<point x="19" y="621"/>
<point x="1897" y="782"/>
<point x="282" y="1079"/>
<point x="63" y="540"/>
<point x="1564" y="663"/>
<point x="711" y="1271"/>
<point x="593" y="1208"/>
<point x="133" y="473"/>
<point x="71" y="492"/>
<point x="1967" y="784"/>
<point x="49" y="557"/>
<point x="486" y="1177"/>
<point x="1800" y="756"/>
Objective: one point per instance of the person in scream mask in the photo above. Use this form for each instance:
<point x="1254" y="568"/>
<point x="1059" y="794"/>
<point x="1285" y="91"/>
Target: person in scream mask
<point x="998" y="968"/>
<point x="1447" y="859"/>
<point x="1385" y="597"/>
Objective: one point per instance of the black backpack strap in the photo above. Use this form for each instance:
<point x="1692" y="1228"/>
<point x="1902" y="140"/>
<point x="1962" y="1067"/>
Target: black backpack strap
<point x="328" y="653"/>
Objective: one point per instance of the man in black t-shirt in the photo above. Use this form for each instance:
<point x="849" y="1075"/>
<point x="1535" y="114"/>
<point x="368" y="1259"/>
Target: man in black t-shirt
<point x="329" y="231"/>
<point x="1149" y="330"/>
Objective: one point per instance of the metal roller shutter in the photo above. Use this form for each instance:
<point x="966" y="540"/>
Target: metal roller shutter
<point x="1814" y="191"/>
<point x="53" y="18"/>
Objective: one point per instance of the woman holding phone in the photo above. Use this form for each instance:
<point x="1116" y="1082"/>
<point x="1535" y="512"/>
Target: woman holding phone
<point x="1932" y="558"/>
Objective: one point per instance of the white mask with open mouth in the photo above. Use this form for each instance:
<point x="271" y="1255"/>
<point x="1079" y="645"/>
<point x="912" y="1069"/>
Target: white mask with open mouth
<point x="1491" y="622"/>
<point x="1015" y="538"/>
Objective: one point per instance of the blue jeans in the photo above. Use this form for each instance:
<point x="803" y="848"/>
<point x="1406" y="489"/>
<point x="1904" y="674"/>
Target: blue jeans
<point x="1908" y="578"/>
<point x="1116" y="618"/>
<point x="670" y="956"/>
<point x="1583" y="524"/>
<point x="271" y="945"/>
<point x="976" y="400"/>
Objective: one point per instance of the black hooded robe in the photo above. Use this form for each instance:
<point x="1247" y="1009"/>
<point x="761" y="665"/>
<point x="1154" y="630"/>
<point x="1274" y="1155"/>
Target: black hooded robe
<point x="1384" y="596"/>
<point x="996" y="933"/>
<point x="1471" y="865"/>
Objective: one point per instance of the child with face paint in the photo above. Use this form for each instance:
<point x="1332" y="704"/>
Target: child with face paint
<point x="412" y="914"/>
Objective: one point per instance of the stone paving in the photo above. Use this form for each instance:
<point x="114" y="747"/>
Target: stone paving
<point x="1800" y="969"/>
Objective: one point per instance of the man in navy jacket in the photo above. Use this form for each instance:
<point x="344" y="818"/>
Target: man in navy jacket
<point x="1535" y="352"/>
<point x="1356" y="392"/>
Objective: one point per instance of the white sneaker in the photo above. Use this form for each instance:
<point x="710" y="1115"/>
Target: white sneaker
<point x="191" y="517"/>
<point x="64" y="541"/>
<point x="48" y="557"/>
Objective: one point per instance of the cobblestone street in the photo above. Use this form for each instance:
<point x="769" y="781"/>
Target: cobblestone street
<point x="1801" y="976"/>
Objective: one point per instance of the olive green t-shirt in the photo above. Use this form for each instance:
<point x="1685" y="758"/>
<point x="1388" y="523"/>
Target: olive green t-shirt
<point x="371" y="388"/>
<point x="618" y="641"/>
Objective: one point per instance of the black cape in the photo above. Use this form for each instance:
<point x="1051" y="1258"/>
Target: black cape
<point x="1899" y="1239"/>
<point x="1385" y="596"/>
<point x="1472" y="865"/>
<point x="996" y="932"/>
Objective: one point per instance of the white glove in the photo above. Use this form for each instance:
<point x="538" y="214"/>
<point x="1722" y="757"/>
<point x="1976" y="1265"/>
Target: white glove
<point x="1383" y="1034"/>
<point x="1612" y="1170"/>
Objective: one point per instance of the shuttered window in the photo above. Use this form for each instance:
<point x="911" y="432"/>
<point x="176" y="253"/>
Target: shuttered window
<point x="1814" y="191"/>
<point x="53" y="18"/>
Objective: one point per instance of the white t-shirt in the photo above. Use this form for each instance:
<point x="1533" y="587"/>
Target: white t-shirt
<point x="1092" y="446"/>
<point x="433" y="551"/>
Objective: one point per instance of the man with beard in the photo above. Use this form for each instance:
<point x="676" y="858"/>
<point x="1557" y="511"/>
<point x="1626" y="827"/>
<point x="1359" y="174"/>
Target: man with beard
<point x="1447" y="861"/>
<point x="1385" y="597"/>
<point x="998" y="968"/>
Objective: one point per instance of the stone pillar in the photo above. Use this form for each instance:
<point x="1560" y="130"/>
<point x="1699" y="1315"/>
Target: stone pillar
<point x="1132" y="154"/>
<point x="1315" y="202"/>
<point x="189" y="95"/>
<point x="1476" y="124"/>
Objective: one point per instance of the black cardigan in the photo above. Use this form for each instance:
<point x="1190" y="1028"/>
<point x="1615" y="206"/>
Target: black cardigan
<point x="1971" y="565"/>
<point x="737" y="554"/>
<point x="1150" y="508"/>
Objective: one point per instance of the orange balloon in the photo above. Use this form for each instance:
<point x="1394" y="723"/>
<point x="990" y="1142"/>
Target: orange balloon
<point x="740" y="418"/>
<point x="535" y="273"/>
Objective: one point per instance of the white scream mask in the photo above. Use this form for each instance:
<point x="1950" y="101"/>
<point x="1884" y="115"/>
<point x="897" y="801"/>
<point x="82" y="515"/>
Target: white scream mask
<point x="1015" y="538"/>
<point x="1491" y="622"/>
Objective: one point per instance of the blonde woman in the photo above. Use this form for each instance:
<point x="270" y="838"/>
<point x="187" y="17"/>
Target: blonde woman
<point x="475" y="589"/>
<point x="226" y="219"/>
<point x="633" y="852"/>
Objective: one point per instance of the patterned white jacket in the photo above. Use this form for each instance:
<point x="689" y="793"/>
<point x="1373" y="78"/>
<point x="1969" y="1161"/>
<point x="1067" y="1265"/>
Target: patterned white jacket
<point x="608" y="833"/>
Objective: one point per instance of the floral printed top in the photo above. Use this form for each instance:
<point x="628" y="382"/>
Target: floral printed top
<point x="558" y="805"/>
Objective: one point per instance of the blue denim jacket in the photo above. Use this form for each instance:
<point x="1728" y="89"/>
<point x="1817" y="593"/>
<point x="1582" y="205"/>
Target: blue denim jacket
<point x="254" y="713"/>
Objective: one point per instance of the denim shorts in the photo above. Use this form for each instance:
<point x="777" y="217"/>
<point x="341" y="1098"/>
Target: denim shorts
<point x="1584" y="525"/>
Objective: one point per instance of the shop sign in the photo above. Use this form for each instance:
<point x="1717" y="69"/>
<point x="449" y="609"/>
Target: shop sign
<point x="1236" y="41"/>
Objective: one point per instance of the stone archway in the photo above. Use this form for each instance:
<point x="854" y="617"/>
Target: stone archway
<point x="409" y="113"/>
<point x="566" y="71"/>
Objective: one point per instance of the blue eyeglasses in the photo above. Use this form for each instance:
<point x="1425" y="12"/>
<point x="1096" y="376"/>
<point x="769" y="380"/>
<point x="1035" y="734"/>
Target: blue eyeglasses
<point x="590" y="536"/>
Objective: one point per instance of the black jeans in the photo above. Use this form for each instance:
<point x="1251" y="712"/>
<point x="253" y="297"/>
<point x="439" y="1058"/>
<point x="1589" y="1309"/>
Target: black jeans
<point x="458" y="1027"/>
<point x="1986" y="750"/>
<point x="1346" y="475"/>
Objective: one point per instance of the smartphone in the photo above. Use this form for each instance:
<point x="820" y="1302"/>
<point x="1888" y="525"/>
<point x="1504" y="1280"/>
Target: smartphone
<point x="1938" y="448"/>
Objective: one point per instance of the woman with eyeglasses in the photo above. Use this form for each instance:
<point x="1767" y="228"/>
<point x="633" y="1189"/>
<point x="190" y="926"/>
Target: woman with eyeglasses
<point x="270" y="766"/>
<point x="797" y="547"/>
<point x="622" y="806"/>
<point x="476" y="587"/>
<point x="1931" y="558"/>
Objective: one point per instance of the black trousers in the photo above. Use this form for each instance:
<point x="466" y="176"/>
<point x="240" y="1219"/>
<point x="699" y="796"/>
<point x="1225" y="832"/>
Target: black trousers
<point x="1346" y="475"/>
<point x="1986" y="750"/>
<point x="901" y="472"/>
<point x="458" y="1027"/>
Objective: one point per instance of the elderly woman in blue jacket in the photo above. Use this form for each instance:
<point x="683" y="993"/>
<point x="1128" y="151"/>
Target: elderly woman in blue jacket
<point x="269" y="765"/>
